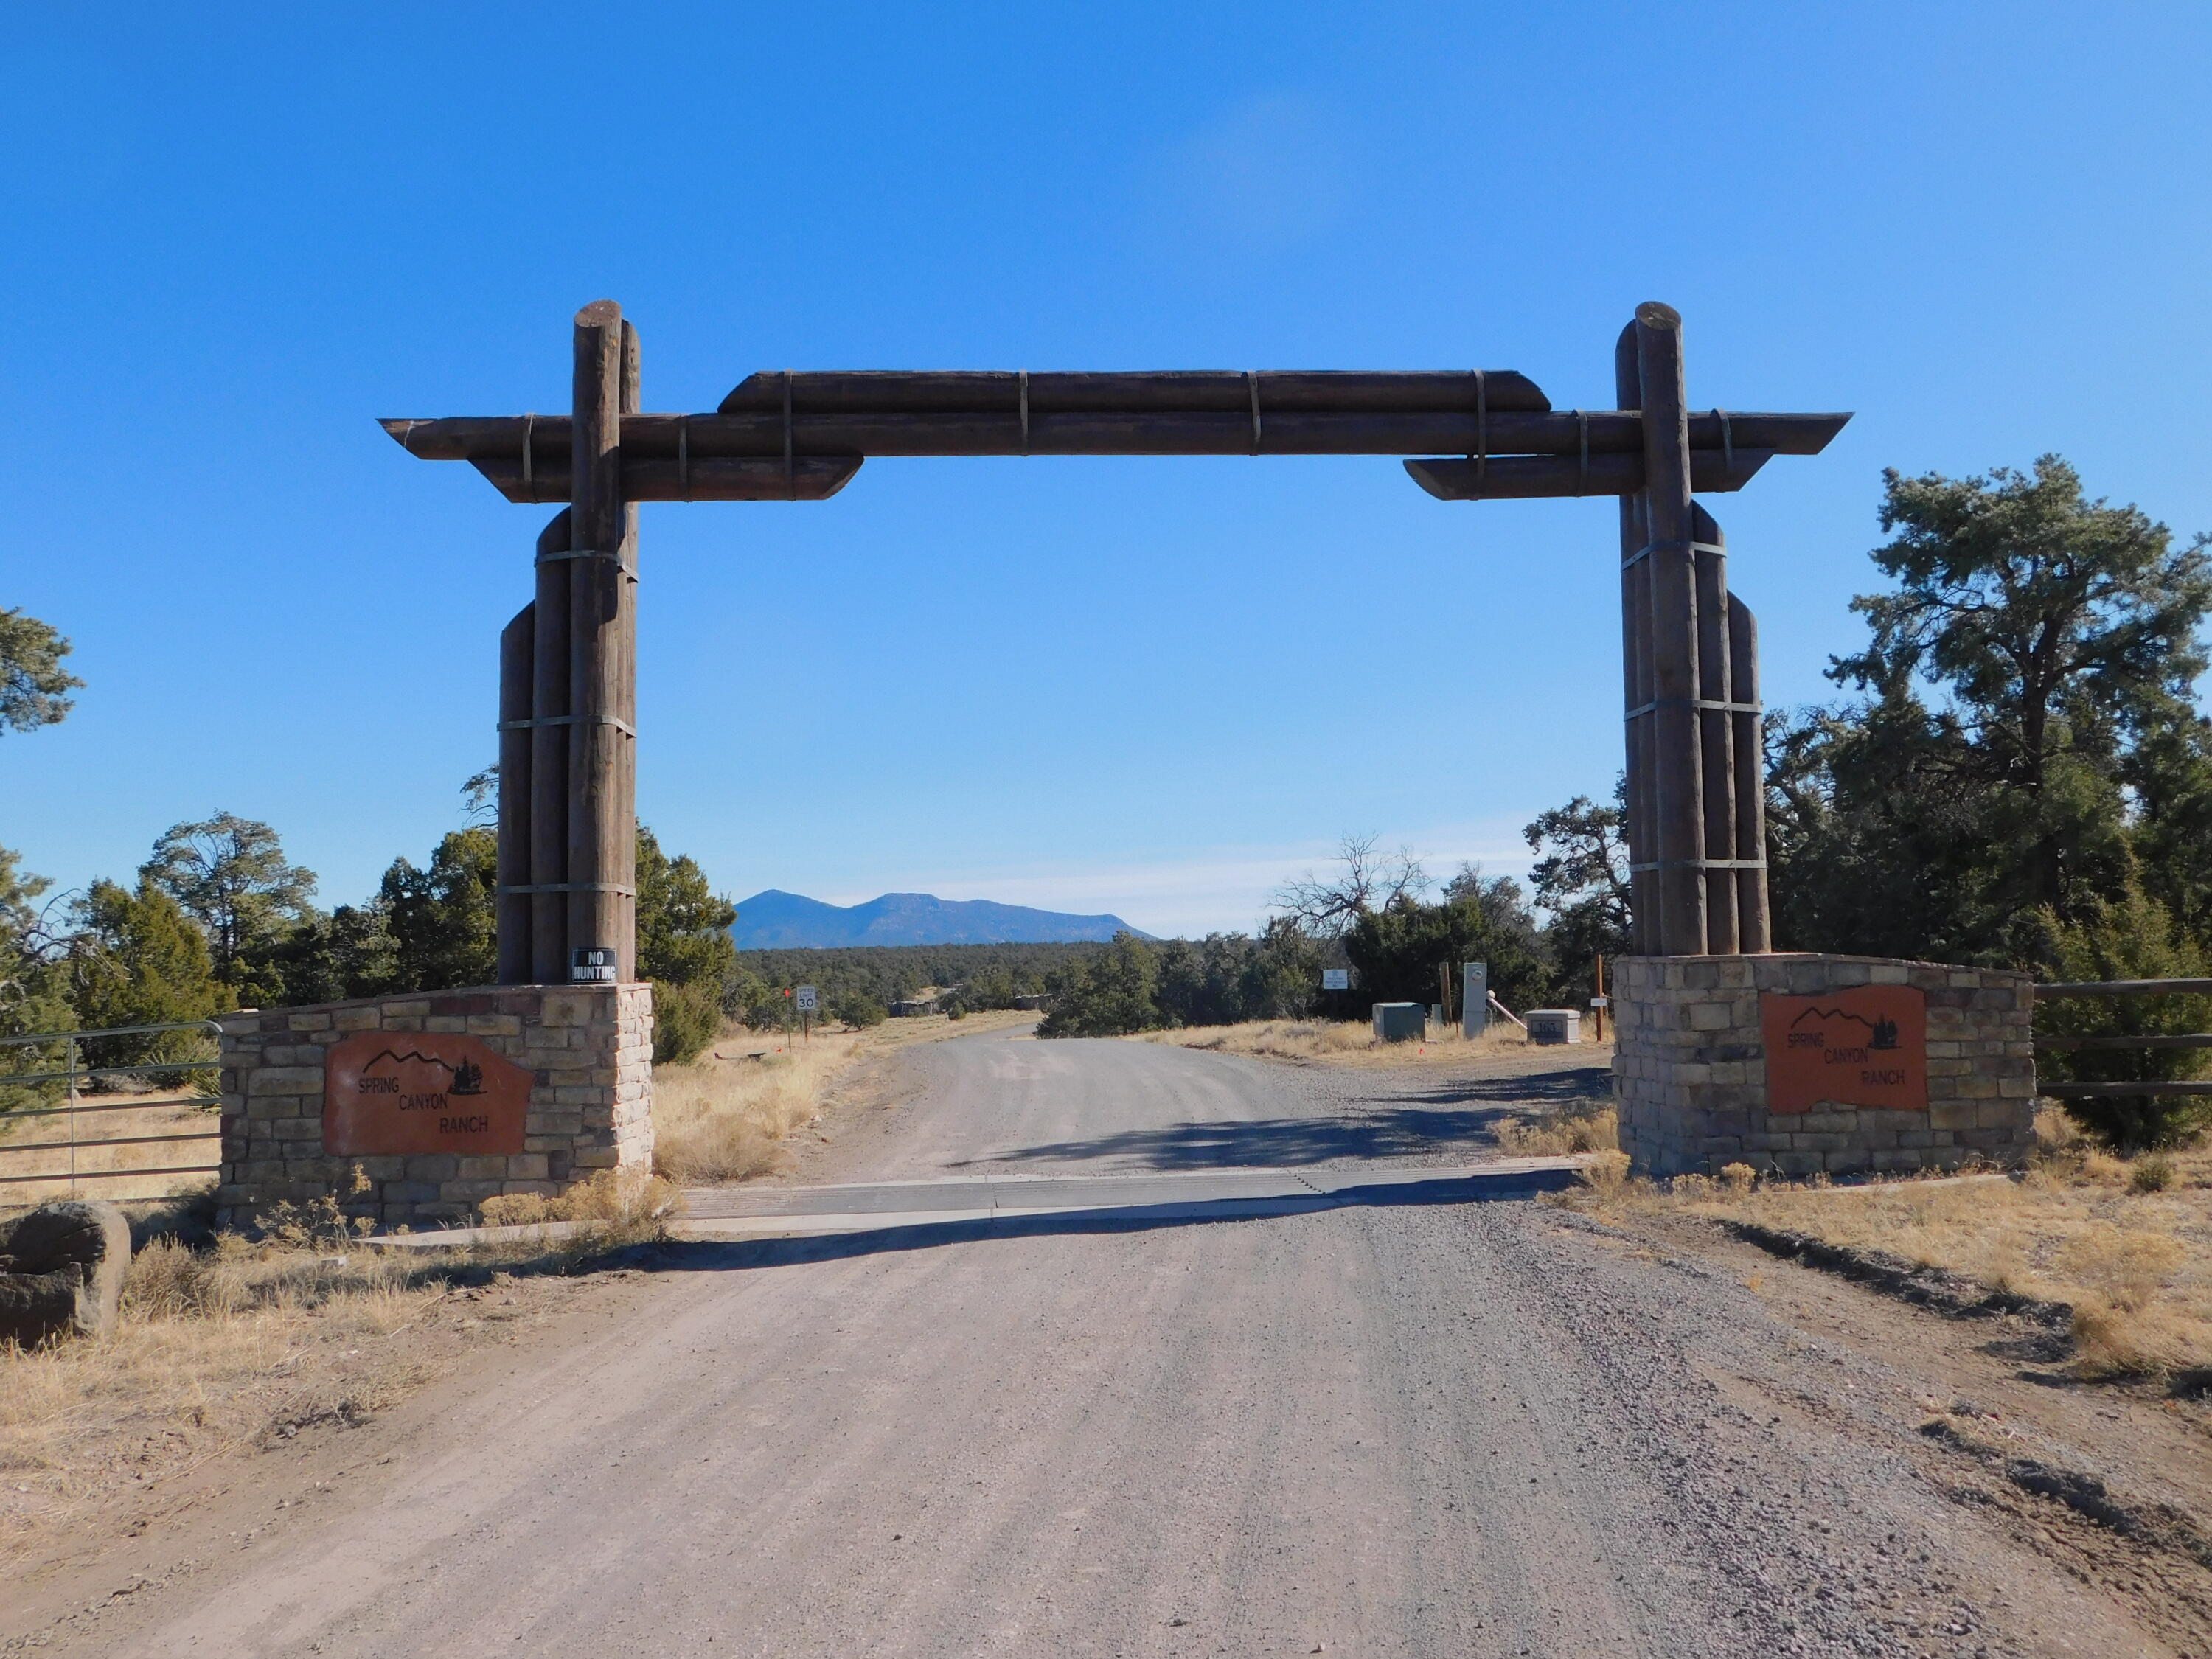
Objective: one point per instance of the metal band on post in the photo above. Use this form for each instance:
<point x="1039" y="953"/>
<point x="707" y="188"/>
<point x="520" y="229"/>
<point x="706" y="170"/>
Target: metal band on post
<point x="1481" y="428"/>
<point x="1026" y="410"/>
<point x="620" y="725"/>
<point x="1252" y="380"/>
<point x="1581" y="431"/>
<point x="570" y="887"/>
<point x="790" y="476"/>
<point x="529" y="424"/>
<point x="683" y="457"/>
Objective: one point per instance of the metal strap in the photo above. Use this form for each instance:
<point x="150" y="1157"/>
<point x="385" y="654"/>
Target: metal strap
<point x="567" y="887"/>
<point x="1252" y="380"/>
<point x="1642" y="709"/>
<point x="623" y="726"/>
<point x="1582" y="431"/>
<point x="1698" y="864"/>
<point x="1482" y="427"/>
<point x="1728" y="441"/>
<point x="790" y="477"/>
<point x="1024" y="377"/>
<point x="683" y="457"/>
<point x="529" y="424"/>
<point x="1653" y="547"/>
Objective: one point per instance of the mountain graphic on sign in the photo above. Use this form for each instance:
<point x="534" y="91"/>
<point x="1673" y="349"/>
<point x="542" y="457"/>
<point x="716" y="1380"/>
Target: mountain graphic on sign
<point x="1874" y="1031"/>
<point x="467" y="1075"/>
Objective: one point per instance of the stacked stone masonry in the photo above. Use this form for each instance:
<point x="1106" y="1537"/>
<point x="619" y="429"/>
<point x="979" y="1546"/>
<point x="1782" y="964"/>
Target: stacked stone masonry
<point x="1690" y="1069"/>
<point x="588" y="1050"/>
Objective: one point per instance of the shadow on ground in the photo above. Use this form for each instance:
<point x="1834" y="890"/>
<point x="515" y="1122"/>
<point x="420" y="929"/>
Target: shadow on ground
<point x="700" y="1256"/>
<point x="1454" y="1116"/>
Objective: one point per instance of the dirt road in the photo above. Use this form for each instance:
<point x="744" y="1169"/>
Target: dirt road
<point x="1490" y="1429"/>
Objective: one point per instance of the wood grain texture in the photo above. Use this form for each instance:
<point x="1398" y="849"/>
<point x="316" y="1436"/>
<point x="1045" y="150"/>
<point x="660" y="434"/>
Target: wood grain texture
<point x="499" y="439"/>
<point x="1677" y="777"/>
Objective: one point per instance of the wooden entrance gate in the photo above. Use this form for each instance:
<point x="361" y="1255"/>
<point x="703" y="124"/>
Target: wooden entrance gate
<point x="568" y="665"/>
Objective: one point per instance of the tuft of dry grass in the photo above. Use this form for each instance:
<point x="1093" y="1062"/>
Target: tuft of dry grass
<point x="2130" y="1249"/>
<point x="1337" y="1042"/>
<point x="730" y="1115"/>
<point x="1597" y="1130"/>
<point x="615" y="1207"/>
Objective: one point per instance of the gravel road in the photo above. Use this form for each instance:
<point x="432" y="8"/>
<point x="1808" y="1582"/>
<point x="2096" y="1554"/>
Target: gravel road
<point x="1483" y="1429"/>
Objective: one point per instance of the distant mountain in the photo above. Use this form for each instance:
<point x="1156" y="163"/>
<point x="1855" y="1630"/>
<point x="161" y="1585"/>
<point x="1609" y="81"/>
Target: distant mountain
<point x="774" y="920"/>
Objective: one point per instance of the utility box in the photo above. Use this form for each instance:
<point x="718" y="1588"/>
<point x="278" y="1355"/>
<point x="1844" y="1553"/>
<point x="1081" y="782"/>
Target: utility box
<point x="1554" y="1024"/>
<point x="1475" y="999"/>
<point x="1401" y="1022"/>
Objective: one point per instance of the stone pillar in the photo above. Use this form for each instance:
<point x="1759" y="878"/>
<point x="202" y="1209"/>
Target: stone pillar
<point x="1803" y="1063"/>
<point x="510" y="1089"/>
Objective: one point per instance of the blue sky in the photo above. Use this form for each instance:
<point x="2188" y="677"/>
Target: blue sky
<point x="235" y="236"/>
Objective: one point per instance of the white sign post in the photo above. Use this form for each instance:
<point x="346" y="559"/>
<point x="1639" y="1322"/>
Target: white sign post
<point x="1336" y="979"/>
<point x="805" y="1001"/>
<point x="1475" y="999"/>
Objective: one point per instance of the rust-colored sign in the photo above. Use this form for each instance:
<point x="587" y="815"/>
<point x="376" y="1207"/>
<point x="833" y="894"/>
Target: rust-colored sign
<point x="415" y="1092"/>
<point x="1864" y="1047"/>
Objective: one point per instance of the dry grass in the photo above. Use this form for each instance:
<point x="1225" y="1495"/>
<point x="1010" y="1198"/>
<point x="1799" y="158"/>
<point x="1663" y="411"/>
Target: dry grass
<point x="2128" y="1246"/>
<point x="1344" y="1042"/>
<point x="1558" y="1137"/>
<point x="41" y="1146"/>
<point x="730" y="1116"/>
<point x="238" y="1345"/>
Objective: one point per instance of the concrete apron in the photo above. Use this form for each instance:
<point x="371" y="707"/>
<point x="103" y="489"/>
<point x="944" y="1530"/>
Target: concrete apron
<point x="727" y="1212"/>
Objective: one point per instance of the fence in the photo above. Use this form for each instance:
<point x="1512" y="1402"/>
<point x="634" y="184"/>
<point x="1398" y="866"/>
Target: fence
<point x="77" y="1070"/>
<point x="2124" y="988"/>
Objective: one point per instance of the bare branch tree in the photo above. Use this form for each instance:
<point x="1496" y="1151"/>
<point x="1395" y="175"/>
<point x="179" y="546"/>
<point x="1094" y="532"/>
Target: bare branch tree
<point x="1369" y="882"/>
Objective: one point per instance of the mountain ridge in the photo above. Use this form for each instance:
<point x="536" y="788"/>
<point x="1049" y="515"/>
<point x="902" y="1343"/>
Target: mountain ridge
<point x="775" y="919"/>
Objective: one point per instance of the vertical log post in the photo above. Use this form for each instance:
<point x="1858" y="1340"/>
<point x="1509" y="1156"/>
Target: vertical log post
<point x="517" y="647"/>
<point x="1675" y="772"/>
<point x="625" y="805"/>
<point x="1754" y="926"/>
<point x="1640" y="823"/>
<point x="1638" y="828"/>
<point x="548" y="757"/>
<point x="595" y="587"/>
<point x="1716" y="733"/>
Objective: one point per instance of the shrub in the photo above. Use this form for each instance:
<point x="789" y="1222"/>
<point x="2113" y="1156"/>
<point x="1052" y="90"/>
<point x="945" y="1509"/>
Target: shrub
<point x="2152" y="1173"/>
<point x="857" y="1008"/>
<point x="685" y="1018"/>
<point x="1738" y="1177"/>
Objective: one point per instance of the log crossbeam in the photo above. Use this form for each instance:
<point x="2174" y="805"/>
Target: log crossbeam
<point x="762" y="445"/>
<point x="567" y="728"/>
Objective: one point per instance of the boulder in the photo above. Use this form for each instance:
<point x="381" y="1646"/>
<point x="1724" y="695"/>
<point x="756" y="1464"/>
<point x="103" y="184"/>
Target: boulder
<point x="61" y="1270"/>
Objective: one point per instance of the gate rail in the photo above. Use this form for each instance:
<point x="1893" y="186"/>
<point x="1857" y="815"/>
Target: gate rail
<point x="2125" y="988"/>
<point x="72" y="1070"/>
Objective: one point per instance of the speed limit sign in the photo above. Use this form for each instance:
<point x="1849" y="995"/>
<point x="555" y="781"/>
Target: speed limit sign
<point x="806" y="999"/>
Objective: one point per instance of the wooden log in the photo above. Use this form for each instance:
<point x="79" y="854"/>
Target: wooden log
<point x="1503" y="391"/>
<point x="664" y="437"/>
<point x="1522" y="476"/>
<point x="594" y="586"/>
<point x="1635" y="675"/>
<point x="1676" y="772"/>
<point x="625" y="807"/>
<point x="1716" y="731"/>
<point x="548" y="757"/>
<point x="517" y="647"/>
<point x="719" y="479"/>
<point x="1754" y="922"/>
